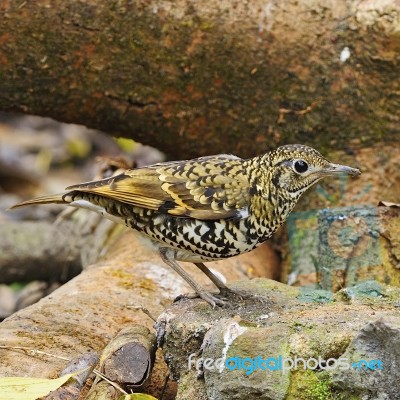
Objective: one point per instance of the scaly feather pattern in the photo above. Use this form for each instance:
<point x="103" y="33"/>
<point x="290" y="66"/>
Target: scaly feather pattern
<point x="206" y="188"/>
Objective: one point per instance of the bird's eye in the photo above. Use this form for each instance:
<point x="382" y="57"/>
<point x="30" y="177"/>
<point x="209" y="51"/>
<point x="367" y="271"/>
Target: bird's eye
<point x="300" y="166"/>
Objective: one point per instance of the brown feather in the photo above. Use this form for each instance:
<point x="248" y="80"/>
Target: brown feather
<point x="55" y="198"/>
<point x="206" y="188"/>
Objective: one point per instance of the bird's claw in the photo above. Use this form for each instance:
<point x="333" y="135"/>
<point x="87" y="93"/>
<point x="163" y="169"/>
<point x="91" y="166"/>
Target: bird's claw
<point x="226" y="297"/>
<point x="208" y="297"/>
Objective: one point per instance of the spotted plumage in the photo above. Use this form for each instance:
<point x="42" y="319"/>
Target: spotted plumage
<point x="206" y="208"/>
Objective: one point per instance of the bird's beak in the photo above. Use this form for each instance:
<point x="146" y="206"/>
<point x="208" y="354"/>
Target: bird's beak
<point x="337" y="169"/>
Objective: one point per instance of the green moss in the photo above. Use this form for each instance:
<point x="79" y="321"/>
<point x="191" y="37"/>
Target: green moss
<point x="308" y="385"/>
<point x="274" y="286"/>
<point x="248" y="324"/>
<point x="314" y="296"/>
<point x="312" y="341"/>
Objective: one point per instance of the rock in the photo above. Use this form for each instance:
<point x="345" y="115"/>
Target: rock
<point x="343" y="215"/>
<point x="190" y="387"/>
<point x="251" y="348"/>
<point x="342" y="246"/>
<point x="230" y="337"/>
<point x="378" y="340"/>
<point x="7" y="301"/>
<point x="31" y="293"/>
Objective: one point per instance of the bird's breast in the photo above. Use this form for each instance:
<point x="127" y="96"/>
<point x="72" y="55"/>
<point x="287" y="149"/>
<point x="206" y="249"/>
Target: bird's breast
<point x="210" y="239"/>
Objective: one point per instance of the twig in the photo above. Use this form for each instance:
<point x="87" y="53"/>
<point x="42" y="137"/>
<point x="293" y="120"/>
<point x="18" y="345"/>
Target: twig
<point x="284" y="111"/>
<point x="29" y="350"/>
<point x="145" y="310"/>
<point x="98" y="373"/>
<point x="164" y="386"/>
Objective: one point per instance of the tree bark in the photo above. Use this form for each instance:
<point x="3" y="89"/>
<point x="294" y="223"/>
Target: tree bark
<point x="195" y="78"/>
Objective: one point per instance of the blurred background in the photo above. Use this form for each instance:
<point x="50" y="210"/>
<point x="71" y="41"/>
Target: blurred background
<point x="38" y="156"/>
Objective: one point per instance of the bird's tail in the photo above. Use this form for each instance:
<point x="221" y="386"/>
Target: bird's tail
<point x="55" y="198"/>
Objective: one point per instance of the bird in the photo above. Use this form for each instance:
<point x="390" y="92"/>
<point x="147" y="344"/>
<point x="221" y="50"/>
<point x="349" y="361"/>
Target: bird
<point x="207" y="208"/>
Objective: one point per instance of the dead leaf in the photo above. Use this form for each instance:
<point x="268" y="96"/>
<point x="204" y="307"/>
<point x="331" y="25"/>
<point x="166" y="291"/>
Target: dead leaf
<point x="23" y="388"/>
<point x="137" y="396"/>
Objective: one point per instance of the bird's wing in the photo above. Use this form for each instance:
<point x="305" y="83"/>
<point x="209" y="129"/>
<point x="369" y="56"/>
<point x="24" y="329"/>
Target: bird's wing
<point x="205" y="188"/>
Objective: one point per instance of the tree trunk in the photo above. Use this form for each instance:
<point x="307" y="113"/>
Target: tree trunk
<point x="196" y="78"/>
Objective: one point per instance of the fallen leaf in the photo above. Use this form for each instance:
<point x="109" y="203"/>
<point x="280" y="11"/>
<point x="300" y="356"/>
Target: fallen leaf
<point x="23" y="388"/>
<point x="137" y="396"/>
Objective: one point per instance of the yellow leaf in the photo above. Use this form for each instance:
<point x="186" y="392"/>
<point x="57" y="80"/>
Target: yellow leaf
<point x="78" y="147"/>
<point x="137" y="396"/>
<point x="125" y="144"/>
<point x="22" y="388"/>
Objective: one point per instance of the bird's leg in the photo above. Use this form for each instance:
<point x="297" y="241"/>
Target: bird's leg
<point x="213" y="278"/>
<point x="224" y="290"/>
<point x="168" y="256"/>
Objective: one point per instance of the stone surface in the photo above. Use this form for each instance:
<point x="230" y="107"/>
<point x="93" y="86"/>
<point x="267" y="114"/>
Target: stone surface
<point x="340" y="233"/>
<point x="295" y="323"/>
<point x="377" y="340"/>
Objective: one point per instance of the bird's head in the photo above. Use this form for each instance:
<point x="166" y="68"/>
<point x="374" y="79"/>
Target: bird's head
<point x="297" y="167"/>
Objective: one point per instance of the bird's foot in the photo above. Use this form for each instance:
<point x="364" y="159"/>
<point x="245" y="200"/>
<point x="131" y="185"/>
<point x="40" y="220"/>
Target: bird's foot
<point x="227" y="298"/>
<point x="206" y="296"/>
